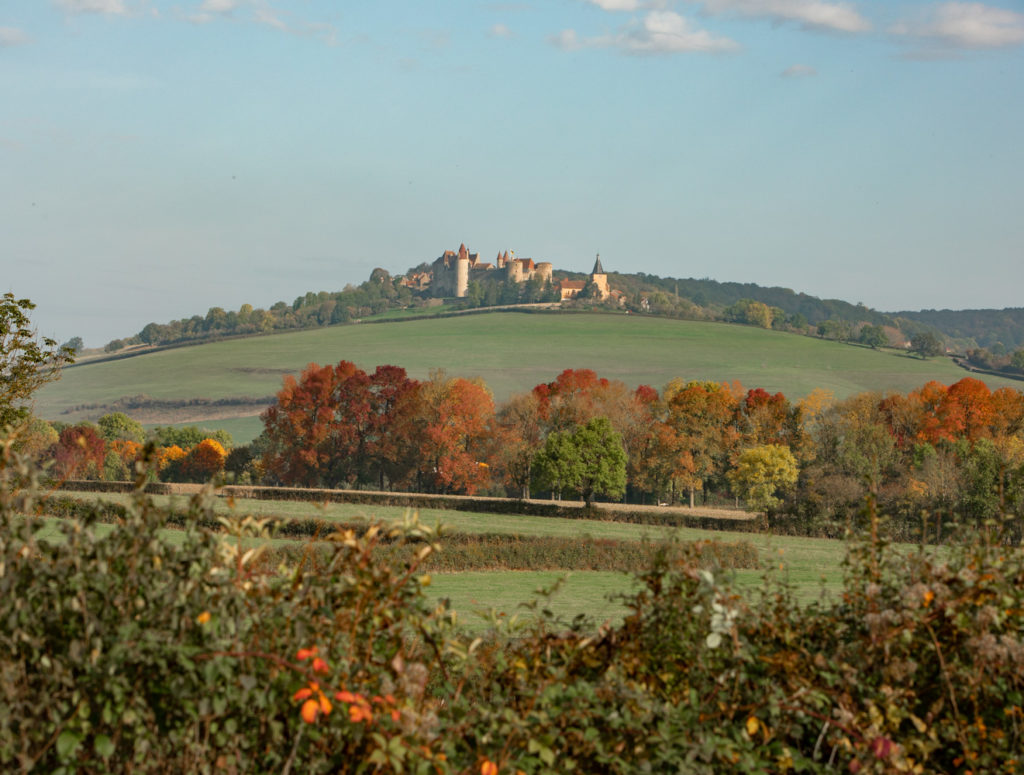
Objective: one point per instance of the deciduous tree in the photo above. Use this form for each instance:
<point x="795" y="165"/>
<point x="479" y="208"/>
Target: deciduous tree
<point x="79" y="453"/>
<point x="761" y="473"/>
<point x="118" y="425"/>
<point x="27" y="362"/>
<point x="926" y="344"/>
<point x="205" y="460"/>
<point x="314" y="435"/>
<point x="703" y="420"/>
<point x="454" y="426"/>
<point x="589" y="460"/>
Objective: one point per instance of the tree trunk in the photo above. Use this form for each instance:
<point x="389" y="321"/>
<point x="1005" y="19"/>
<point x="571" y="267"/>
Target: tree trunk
<point x="691" y="497"/>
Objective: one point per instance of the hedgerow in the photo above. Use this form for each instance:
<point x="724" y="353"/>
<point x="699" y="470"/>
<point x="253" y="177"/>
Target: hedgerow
<point x="123" y="650"/>
<point x="462" y="551"/>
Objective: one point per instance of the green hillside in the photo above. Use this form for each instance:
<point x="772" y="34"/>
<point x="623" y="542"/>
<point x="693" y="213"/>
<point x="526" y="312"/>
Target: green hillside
<point x="511" y="351"/>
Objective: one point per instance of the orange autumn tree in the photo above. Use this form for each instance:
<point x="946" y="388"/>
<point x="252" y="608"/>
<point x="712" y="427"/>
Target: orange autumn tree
<point x="454" y="422"/>
<point x="702" y="417"/>
<point x="127" y="450"/>
<point x="205" y="460"/>
<point x="930" y="398"/>
<point x="967" y="410"/>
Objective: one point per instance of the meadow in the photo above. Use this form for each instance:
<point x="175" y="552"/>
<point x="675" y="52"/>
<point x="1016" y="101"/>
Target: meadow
<point x="811" y="565"/>
<point x="512" y="352"/>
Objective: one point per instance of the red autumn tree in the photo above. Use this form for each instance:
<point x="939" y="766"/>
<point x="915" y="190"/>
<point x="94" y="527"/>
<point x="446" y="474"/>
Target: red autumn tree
<point x="339" y="426"/>
<point x="767" y="418"/>
<point x="390" y="447"/>
<point x="569" y="400"/>
<point x="79" y="453"/>
<point x="316" y="430"/>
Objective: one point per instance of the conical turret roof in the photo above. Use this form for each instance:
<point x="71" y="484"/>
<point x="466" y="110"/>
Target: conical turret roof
<point x="598" y="269"/>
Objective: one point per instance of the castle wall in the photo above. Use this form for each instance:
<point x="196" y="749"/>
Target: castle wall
<point x="451" y="272"/>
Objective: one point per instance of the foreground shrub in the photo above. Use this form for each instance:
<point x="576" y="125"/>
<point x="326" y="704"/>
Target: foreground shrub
<point x="127" y="648"/>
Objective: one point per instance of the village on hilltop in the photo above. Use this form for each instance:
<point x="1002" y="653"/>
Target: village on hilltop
<point x="451" y="274"/>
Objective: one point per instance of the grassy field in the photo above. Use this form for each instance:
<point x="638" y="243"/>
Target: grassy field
<point x="810" y="564"/>
<point x="511" y="351"/>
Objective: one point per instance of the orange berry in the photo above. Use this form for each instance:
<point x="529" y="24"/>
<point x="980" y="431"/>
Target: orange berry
<point x="309" y="710"/>
<point x="488" y="768"/>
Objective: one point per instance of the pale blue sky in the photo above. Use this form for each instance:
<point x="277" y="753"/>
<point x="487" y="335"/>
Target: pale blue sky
<point x="159" y="158"/>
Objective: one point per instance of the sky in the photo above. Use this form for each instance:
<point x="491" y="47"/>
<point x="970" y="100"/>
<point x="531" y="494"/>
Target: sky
<point x="161" y="158"/>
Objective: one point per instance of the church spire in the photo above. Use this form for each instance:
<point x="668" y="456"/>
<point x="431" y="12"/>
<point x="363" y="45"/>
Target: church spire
<point x="598" y="269"/>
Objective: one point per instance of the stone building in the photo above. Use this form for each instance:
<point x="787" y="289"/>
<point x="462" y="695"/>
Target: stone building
<point x="453" y="271"/>
<point x="570" y="289"/>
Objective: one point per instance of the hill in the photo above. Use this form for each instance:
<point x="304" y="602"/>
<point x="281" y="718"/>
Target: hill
<point x="227" y="383"/>
<point x="385" y="296"/>
<point x="990" y="328"/>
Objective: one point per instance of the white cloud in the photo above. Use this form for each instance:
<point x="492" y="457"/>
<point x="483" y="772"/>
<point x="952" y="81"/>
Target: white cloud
<point x="967" y="25"/>
<point x="567" y="40"/>
<point x="114" y="7"/>
<point x="270" y="18"/>
<point x="811" y="14"/>
<point x="261" y="12"/>
<point x="798" y="71"/>
<point x="660" y="32"/>
<point x="219" y="6"/>
<point x="500" y="31"/>
<point x="616" y="5"/>
<point x="12" y="36"/>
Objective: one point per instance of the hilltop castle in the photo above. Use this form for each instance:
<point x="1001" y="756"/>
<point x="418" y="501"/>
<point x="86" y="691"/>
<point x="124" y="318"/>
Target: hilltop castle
<point x="452" y="272"/>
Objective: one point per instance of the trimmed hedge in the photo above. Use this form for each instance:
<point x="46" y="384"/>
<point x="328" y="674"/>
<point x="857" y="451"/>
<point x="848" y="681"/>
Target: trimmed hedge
<point x="575" y="510"/>
<point x="459" y="551"/>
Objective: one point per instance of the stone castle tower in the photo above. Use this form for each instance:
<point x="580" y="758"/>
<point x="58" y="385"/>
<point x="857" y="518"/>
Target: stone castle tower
<point x="453" y="270"/>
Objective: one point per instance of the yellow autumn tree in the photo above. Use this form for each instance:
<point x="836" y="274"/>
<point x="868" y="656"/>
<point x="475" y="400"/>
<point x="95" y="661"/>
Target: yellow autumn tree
<point x="763" y="472"/>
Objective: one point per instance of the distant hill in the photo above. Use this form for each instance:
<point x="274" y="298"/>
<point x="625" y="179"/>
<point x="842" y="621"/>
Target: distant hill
<point x="987" y="328"/>
<point x="227" y="383"/>
<point x="384" y="295"/>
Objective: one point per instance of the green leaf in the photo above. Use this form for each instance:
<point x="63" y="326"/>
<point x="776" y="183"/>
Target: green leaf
<point x="67" y="744"/>
<point x="104" y="746"/>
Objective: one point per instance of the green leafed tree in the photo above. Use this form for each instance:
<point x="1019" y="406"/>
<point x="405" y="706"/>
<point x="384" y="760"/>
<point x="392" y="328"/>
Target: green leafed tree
<point x="27" y="362"/>
<point x="873" y="336"/>
<point x="926" y="344"/>
<point x="763" y="472"/>
<point x="589" y="460"/>
<point x="118" y="425"/>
